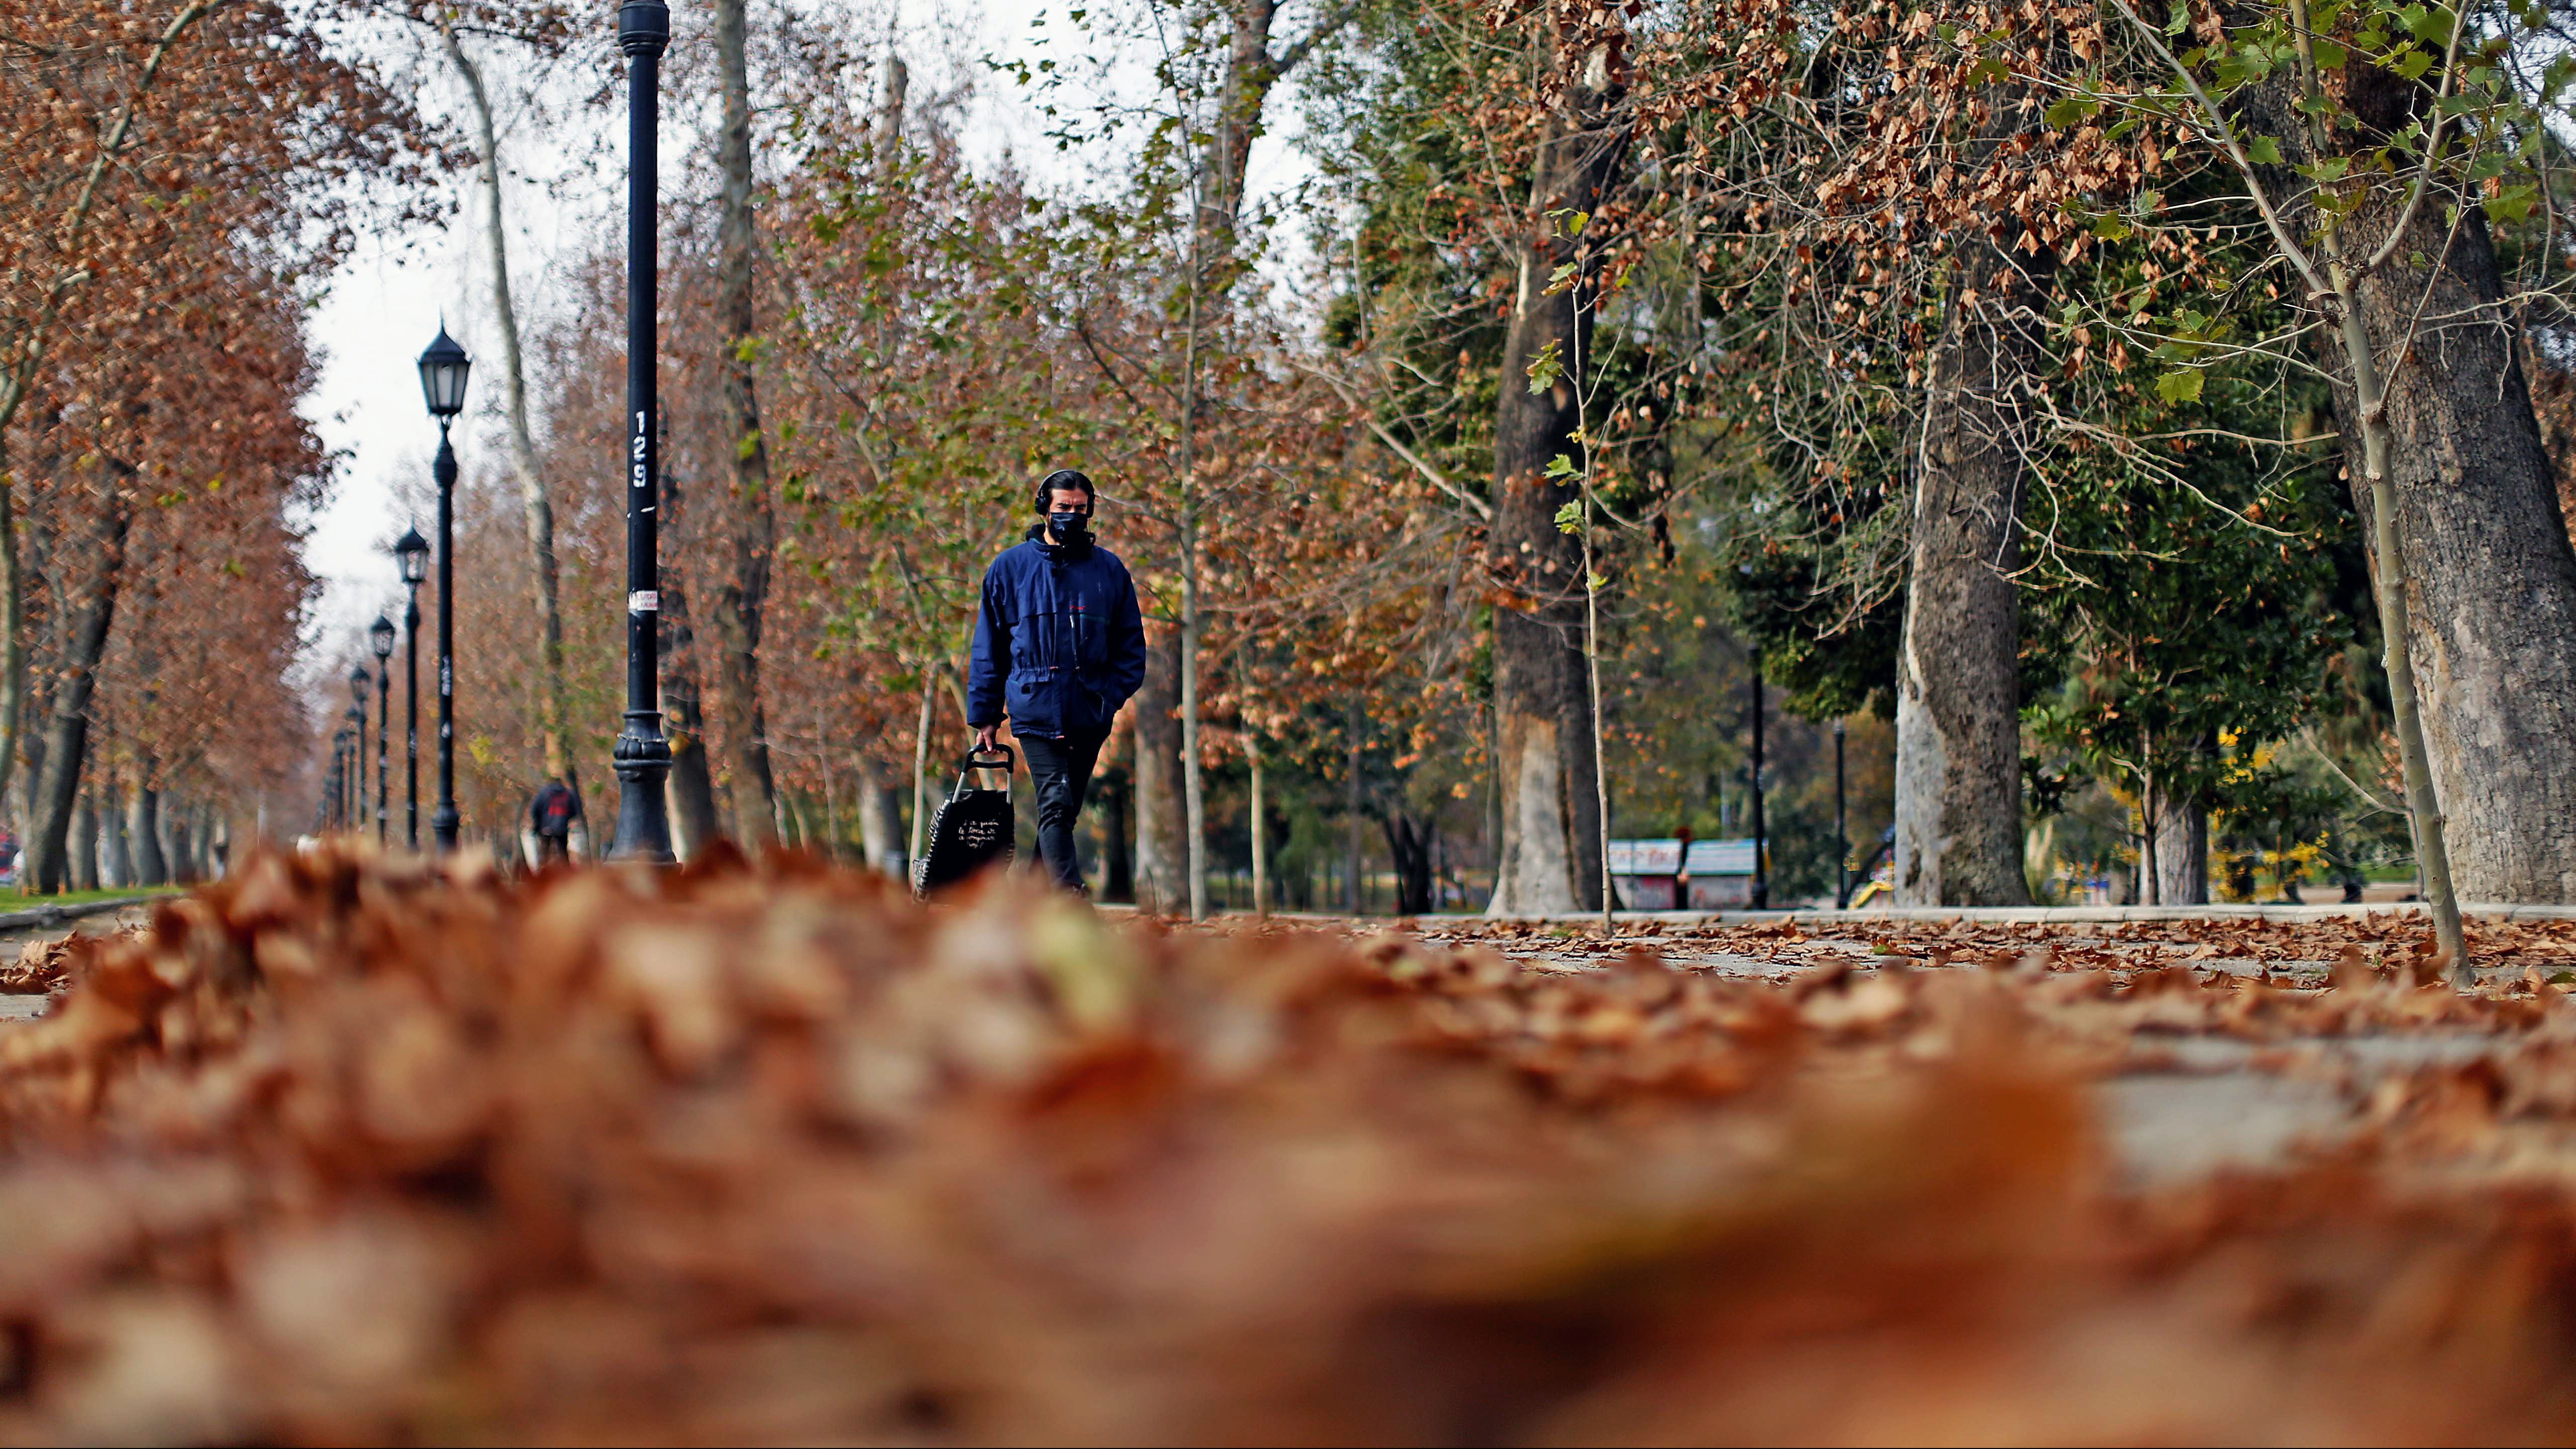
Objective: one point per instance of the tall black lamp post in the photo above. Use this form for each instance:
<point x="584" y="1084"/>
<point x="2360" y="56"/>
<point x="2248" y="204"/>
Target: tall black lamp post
<point x="411" y="553"/>
<point x="1842" y="832"/>
<point x="380" y="639"/>
<point x="643" y="759"/>
<point x="1761" y="842"/>
<point x="339" y="779"/>
<point x="359" y="679"/>
<point x="442" y="385"/>
<point x="356" y="810"/>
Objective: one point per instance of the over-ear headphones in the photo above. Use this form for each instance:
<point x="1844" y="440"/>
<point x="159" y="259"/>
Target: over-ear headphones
<point x="1060" y="478"/>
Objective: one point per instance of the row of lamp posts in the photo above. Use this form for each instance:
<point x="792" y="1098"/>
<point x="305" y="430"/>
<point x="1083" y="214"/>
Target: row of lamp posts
<point x="643" y="756"/>
<point x="442" y="380"/>
<point x="380" y="640"/>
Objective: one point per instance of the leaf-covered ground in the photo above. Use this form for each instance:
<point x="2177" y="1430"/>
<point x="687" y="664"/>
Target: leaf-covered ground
<point x="354" y="1151"/>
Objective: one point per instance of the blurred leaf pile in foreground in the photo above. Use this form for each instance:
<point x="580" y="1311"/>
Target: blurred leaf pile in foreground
<point x="350" y="1150"/>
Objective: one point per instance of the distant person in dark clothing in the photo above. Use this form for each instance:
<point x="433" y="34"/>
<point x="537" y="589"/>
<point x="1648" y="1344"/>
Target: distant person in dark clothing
<point x="551" y="815"/>
<point x="1059" y="646"/>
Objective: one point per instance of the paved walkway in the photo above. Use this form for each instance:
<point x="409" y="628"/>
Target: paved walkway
<point x="22" y="1008"/>
<point x="2178" y="1106"/>
<point x="2076" y="915"/>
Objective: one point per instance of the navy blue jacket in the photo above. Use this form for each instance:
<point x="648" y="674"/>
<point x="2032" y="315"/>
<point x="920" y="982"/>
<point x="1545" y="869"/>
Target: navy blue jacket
<point x="1059" y="641"/>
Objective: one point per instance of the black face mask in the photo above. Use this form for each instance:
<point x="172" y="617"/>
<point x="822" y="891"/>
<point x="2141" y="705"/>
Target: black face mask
<point x="1068" y="526"/>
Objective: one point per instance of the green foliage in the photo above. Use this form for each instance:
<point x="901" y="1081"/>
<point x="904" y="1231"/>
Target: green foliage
<point x="2196" y="609"/>
<point x="1833" y="662"/>
<point x="1547" y="367"/>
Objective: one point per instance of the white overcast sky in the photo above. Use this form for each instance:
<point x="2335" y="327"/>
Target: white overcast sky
<point x="385" y="304"/>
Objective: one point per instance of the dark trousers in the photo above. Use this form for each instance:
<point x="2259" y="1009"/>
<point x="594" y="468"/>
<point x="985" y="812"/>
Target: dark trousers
<point x="1061" y="769"/>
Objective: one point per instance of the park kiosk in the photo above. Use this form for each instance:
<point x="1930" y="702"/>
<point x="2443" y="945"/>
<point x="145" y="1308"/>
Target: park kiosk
<point x="1682" y="875"/>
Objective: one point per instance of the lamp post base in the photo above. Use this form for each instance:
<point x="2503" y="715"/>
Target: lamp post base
<point x="643" y="764"/>
<point x="442" y="826"/>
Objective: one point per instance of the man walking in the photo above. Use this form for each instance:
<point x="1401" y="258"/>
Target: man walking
<point x="1059" y="646"/>
<point x="551" y="815"/>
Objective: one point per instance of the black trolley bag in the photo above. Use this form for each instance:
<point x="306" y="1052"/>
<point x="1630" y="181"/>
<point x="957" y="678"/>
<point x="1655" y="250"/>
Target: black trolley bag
<point x="974" y="828"/>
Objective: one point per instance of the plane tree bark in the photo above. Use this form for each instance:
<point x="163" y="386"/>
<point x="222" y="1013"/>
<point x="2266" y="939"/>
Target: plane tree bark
<point x="749" y="513"/>
<point x="2481" y="555"/>
<point x="83" y="851"/>
<point x="143" y="827"/>
<point x="691" y="790"/>
<point x="2177" y="848"/>
<point x="1550" y="859"/>
<point x="2404" y="309"/>
<point x="101" y="566"/>
<point x="1958" y="668"/>
<point x="1162" y="839"/>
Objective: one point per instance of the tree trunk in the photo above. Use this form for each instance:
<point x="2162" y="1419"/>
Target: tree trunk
<point x="143" y="833"/>
<point x="115" y="866"/>
<point x="887" y="806"/>
<point x="880" y="819"/>
<point x="178" y="847"/>
<point x="1162" y="845"/>
<point x="691" y="791"/>
<point x="1249" y="75"/>
<point x="2179" y="826"/>
<point x="1193" y="772"/>
<point x="1117" y="845"/>
<point x="751" y="522"/>
<point x="2490" y="578"/>
<point x="1355" y="897"/>
<point x="1260" y="830"/>
<point x="535" y="500"/>
<point x="1958" y="671"/>
<point x="2370" y="345"/>
<point x="13" y="634"/>
<point x="920" y="837"/>
<point x="76" y="678"/>
<point x="208" y="833"/>
<point x="174" y="862"/>
<point x="1551" y="849"/>
<point x="1253" y="68"/>
<point x="886" y="137"/>
<point x="38" y="578"/>
<point x="1408" y="847"/>
<point x="833" y="841"/>
<point x="84" y="845"/>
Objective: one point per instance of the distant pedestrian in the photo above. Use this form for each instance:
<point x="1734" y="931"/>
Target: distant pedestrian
<point x="1059" y="646"/>
<point x="552" y="815"/>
